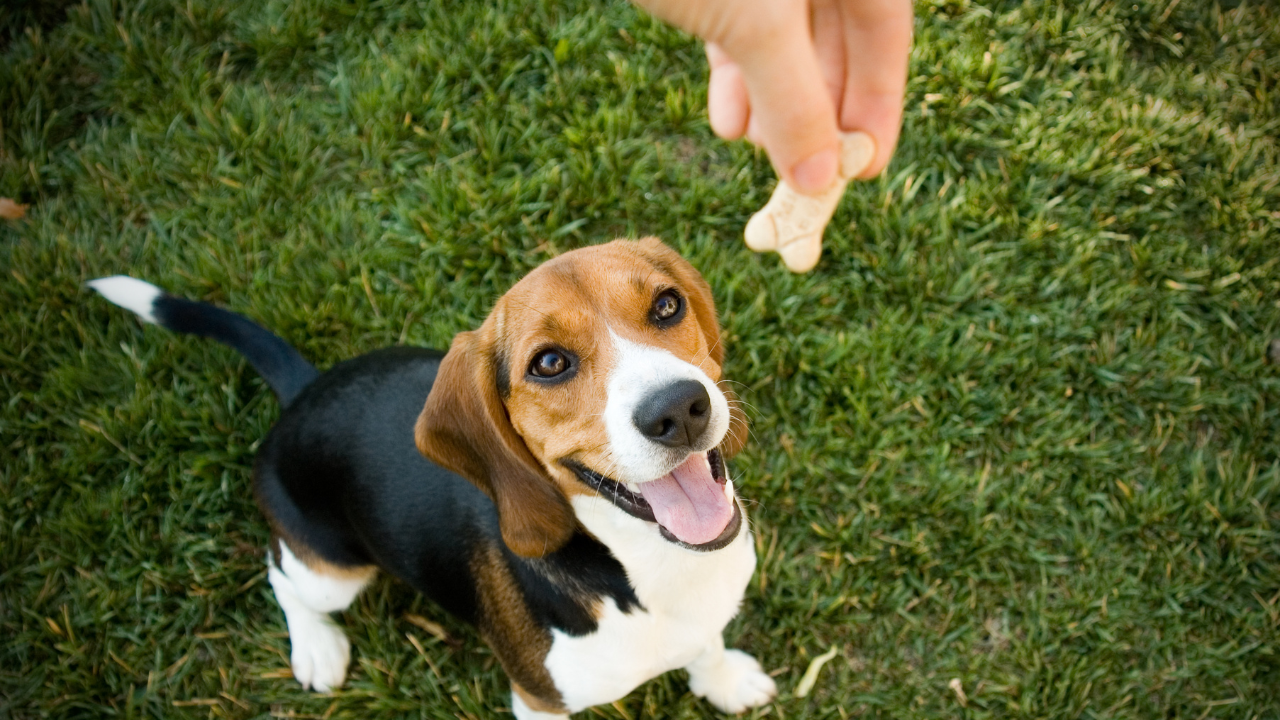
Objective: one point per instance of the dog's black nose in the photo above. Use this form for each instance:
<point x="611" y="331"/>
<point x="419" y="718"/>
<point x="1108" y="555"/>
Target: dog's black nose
<point x="675" y="415"/>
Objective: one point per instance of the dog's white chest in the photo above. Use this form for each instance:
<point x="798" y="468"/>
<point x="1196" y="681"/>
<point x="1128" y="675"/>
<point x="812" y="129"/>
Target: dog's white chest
<point x="687" y="598"/>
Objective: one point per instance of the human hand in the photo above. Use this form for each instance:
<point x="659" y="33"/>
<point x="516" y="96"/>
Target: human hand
<point x="792" y="74"/>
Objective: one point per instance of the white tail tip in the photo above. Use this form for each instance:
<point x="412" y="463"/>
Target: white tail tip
<point x="130" y="294"/>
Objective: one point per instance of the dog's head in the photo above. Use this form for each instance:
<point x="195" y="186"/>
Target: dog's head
<point x="598" y="373"/>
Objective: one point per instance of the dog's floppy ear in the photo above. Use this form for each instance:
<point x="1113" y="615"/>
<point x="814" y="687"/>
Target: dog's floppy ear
<point x="739" y="429"/>
<point x="464" y="428"/>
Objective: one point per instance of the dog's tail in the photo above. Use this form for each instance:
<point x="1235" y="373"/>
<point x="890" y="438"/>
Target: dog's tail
<point x="280" y="365"/>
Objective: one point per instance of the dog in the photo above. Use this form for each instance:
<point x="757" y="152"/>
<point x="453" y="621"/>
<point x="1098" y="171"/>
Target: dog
<point x="557" y="478"/>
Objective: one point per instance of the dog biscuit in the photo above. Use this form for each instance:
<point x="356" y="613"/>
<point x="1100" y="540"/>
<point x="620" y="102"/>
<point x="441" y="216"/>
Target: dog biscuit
<point x="791" y="223"/>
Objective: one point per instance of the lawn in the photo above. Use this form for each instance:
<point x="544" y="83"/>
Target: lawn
<point x="1017" y="431"/>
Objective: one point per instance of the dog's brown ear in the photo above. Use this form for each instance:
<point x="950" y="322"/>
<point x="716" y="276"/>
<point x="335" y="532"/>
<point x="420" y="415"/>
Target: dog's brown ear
<point x="739" y="429"/>
<point x="464" y="428"/>
<point x="696" y="289"/>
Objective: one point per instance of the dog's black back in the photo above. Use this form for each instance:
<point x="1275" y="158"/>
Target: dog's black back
<point x="340" y="473"/>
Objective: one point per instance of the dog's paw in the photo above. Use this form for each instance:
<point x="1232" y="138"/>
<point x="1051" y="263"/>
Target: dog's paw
<point x="320" y="655"/>
<point x="734" y="685"/>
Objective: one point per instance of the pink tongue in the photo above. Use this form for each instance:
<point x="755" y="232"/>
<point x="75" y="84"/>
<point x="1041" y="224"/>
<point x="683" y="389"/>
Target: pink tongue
<point x="689" y="503"/>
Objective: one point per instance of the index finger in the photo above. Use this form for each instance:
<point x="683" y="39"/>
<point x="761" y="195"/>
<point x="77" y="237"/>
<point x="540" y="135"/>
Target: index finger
<point x="877" y="48"/>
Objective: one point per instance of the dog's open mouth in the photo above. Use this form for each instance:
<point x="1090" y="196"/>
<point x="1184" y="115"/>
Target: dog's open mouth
<point x="689" y="504"/>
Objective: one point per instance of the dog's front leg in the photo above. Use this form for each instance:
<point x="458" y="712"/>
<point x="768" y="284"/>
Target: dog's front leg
<point x="730" y="679"/>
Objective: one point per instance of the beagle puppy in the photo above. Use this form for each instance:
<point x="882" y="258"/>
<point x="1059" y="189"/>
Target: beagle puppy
<point x="557" y="478"/>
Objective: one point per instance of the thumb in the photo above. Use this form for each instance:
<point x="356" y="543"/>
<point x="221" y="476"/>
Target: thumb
<point x="792" y="114"/>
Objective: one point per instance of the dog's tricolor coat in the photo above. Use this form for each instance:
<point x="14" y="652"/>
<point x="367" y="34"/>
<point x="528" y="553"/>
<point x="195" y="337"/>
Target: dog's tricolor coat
<point x="573" y="500"/>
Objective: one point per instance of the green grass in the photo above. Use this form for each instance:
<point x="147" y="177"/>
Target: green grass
<point x="1019" y="428"/>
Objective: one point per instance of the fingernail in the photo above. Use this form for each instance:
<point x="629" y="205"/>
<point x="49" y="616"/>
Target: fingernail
<point x="815" y="173"/>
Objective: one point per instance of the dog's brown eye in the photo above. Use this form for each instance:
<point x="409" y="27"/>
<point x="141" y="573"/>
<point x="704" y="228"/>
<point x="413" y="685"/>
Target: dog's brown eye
<point x="666" y="306"/>
<point x="549" y="363"/>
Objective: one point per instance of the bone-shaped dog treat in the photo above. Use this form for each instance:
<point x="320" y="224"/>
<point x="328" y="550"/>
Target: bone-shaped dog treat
<point x="792" y="223"/>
